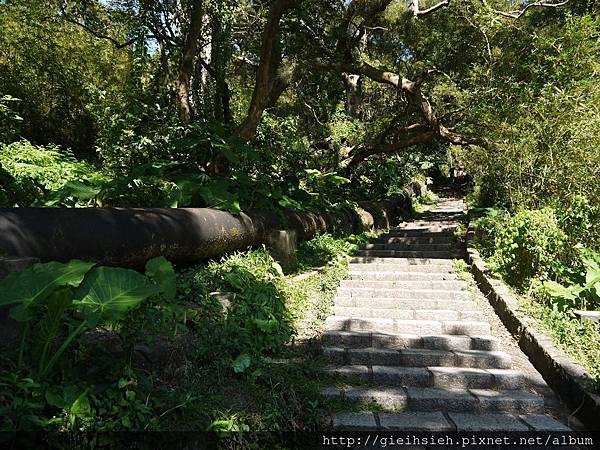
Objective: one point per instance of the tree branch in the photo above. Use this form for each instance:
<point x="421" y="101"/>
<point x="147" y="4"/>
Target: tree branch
<point x="418" y="13"/>
<point x="266" y="88"/>
<point x="539" y="4"/>
<point x="406" y="136"/>
<point x="118" y="45"/>
<point x="413" y="135"/>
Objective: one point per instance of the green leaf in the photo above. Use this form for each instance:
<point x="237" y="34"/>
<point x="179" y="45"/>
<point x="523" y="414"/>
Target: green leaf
<point x="54" y="397"/>
<point x="228" y="154"/>
<point x="216" y="195"/>
<point x="267" y="326"/>
<point x="34" y="285"/>
<point x="556" y="290"/>
<point x="52" y="323"/>
<point x="241" y="363"/>
<point x="161" y="272"/>
<point x="277" y="268"/>
<point x="81" y="407"/>
<point x="107" y="294"/>
<point x="72" y="189"/>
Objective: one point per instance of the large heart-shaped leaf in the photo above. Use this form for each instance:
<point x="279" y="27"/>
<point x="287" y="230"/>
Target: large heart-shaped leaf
<point x="32" y="286"/>
<point x="107" y="294"/>
<point x="556" y="290"/>
<point x="161" y="272"/>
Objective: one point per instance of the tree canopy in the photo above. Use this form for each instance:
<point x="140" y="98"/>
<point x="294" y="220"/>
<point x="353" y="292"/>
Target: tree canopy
<point x="258" y="93"/>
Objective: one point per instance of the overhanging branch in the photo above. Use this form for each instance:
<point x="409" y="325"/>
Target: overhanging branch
<point x="118" y="45"/>
<point x="539" y="4"/>
<point x="418" y="12"/>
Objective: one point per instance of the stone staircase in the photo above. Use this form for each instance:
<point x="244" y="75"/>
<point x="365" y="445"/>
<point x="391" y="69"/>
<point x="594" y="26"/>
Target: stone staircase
<point x="415" y="350"/>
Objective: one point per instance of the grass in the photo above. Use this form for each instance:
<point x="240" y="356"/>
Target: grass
<point x="461" y="268"/>
<point x="280" y="390"/>
<point x="581" y="340"/>
<point x="247" y="360"/>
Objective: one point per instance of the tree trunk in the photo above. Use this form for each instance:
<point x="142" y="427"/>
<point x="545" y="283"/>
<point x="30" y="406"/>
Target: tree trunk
<point x="220" y="56"/>
<point x="263" y="87"/>
<point x="187" y="63"/>
<point x="353" y="94"/>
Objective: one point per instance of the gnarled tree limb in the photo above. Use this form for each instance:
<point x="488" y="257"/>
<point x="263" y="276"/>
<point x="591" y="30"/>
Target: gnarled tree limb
<point x="539" y="4"/>
<point x="266" y="89"/>
<point x="418" y="12"/>
<point x="118" y="45"/>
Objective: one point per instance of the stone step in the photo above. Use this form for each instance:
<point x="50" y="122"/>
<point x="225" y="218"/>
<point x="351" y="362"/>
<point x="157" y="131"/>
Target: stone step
<point x="412" y="357"/>
<point x="407" y="254"/>
<point x="409" y="314"/>
<point x="400" y="276"/>
<point x="421" y="232"/>
<point x="437" y="294"/>
<point x="404" y="303"/>
<point x="355" y="339"/>
<point x="427" y="228"/>
<point x="444" y="285"/>
<point x="446" y="400"/>
<point x="412" y="421"/>
<point x="416" y="247"/>
<point x="406" y="264"/>
<point x="435" y="377"/>
<point x="420" y="327"/>
<point x="440" y="220"/>
<point x="387" y="239"/>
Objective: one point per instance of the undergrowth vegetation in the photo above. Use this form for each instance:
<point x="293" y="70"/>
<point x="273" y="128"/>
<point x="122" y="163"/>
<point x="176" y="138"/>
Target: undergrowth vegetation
<point x="224" y="346"/>
<point x="277" y="105"/>
<point x="551" y="259"/>
<point x="579" y="339"/>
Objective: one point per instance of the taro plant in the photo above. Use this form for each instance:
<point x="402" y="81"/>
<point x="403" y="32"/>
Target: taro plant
<point x="57" y="302"/>
<point x="584" y="288"/>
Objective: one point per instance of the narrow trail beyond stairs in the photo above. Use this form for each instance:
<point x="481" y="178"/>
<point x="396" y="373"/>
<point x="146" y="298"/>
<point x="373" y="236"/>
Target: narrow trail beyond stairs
<point x="416" y="347"/>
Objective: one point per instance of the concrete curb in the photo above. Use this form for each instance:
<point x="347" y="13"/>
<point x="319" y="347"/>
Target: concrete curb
<point x="562" y="373"/>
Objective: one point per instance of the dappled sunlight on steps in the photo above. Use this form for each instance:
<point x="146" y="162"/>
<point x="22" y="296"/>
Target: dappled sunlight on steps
<point x="411" y="347"/>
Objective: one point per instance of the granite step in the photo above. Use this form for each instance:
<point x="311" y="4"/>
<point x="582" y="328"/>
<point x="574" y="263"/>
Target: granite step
<point x="388" y="239"/>
<point x="404" y="303"/>
<point x="409" y="314"/>
<point x="412" y="357"/>
<point x="416" y="247"/>
<point x="444" y="285"/>
<point x="401" y="341"/>
<point x="428" y="327"/>
<point x="434" y="377"/>
<point x="415" y="265"/>
<point x="422" y="232"/>
<point x="390" y="275"/>
<point x="435" y="294"/>
<point x="480" y="401"/>
<point x="422" y="421"/>
<point x="407" y="254"/>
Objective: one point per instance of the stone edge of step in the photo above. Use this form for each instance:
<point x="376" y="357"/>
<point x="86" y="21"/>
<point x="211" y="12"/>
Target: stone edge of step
<point x="445" y="422"/>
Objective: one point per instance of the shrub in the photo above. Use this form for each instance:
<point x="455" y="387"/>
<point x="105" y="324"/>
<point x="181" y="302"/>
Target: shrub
<point x="583" y="287"/>
<point x="257" y="321"/>
<point x="527" y="246"/>
<point x="35" y="169"/>
<point x="578" y="221"/>
<point x="487" y="227"/>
